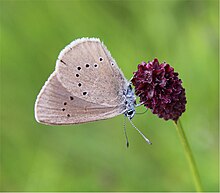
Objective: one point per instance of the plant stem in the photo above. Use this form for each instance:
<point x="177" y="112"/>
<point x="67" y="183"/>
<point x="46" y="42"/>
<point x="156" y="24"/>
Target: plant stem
<point x="189" y="156"/>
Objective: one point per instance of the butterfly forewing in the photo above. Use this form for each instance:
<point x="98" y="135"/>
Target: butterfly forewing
<point x="56" y="106"/>
<point x="87" y="70"/>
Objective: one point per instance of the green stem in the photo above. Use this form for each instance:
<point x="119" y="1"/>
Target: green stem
<point x="189" y="156"/>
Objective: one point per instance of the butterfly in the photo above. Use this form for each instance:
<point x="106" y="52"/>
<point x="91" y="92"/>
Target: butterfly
<point x="87" y="85"/>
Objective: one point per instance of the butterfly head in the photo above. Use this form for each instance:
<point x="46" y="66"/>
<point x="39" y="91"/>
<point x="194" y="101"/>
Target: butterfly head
<point x="130" y="102"/>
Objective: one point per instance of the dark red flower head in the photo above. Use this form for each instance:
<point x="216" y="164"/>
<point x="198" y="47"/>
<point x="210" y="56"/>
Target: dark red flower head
<point x="160" y="89"/>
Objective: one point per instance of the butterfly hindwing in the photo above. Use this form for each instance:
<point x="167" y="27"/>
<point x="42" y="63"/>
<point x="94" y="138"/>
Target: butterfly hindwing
<point x="57" y="106"/>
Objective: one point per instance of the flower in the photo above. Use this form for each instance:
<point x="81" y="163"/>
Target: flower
<point x="160" y="89"/>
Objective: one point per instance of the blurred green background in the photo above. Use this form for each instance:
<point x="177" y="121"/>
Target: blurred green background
<point x="93" y="156"/>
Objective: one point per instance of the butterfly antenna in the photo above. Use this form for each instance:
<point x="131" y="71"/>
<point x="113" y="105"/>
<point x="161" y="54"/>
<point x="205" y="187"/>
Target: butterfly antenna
<point x="146" y="139"/>
<point x="127" y="143"/>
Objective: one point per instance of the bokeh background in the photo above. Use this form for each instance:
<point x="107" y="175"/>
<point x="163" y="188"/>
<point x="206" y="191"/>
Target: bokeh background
<point x="93" y="156"/>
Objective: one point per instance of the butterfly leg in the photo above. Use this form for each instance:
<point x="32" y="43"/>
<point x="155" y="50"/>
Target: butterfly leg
<point x="142" y="112"/>
<point x="127" y="142"/>
<point x="137" y="105"/>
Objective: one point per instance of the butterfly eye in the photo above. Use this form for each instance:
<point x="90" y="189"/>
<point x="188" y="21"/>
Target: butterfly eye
<point x="84" y="93"/>
<point x="79" y="84"/>
<point x="100" y="59"/>
<point x="130" y="112"/>
<point x="77" y="75"/>
<point x="78" y="68"/>
<point x="71" y="98"/>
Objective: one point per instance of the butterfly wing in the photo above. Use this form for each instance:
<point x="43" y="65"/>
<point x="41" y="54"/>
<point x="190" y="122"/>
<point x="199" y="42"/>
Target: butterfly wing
<point x="88" y="71"/>
<point x="57" y="106"/>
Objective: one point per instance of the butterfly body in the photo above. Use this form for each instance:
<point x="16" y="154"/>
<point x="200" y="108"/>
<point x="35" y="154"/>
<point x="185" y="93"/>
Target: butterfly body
<point x="130" y="102"/>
